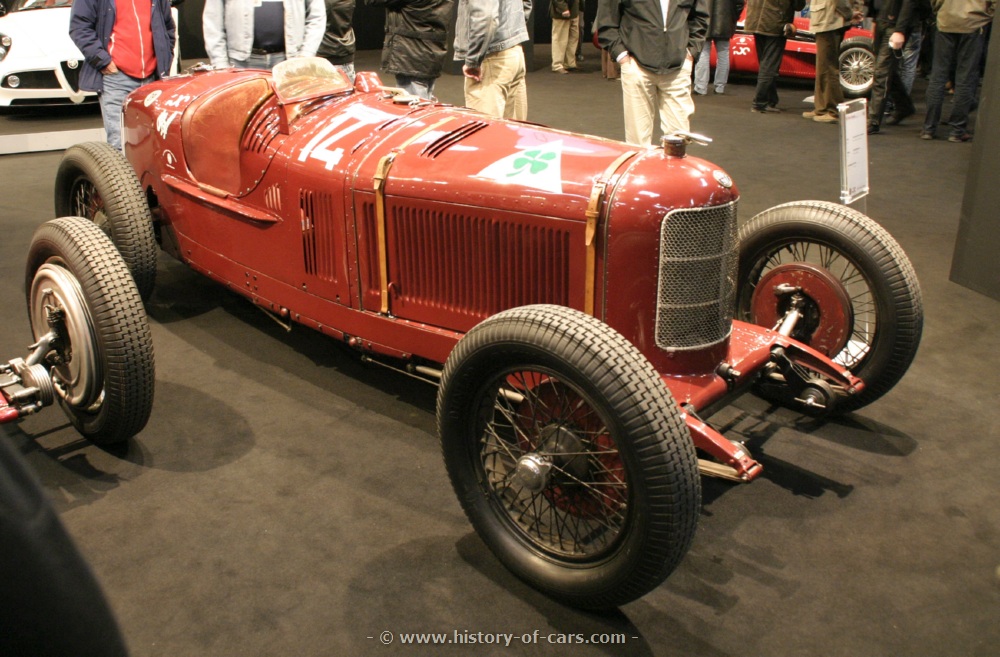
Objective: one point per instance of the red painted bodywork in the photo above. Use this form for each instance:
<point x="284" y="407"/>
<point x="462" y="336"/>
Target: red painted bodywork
<point x="279" y="205"/>
<point x="799" y="60"/>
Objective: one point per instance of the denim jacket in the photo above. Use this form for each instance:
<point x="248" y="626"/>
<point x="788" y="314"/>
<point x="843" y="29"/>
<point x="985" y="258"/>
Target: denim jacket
<point x="90" y="25"/>
<point x="228" y="29"/>
<point x="488" y="26"/>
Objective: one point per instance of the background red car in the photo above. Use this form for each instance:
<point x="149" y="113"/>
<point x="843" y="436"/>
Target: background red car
<point x="857" y="56"/>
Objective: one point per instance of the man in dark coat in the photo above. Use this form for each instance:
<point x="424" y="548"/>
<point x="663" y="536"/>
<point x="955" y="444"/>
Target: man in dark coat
<point x="656" y="54"/>
<point x="770" y="21"/>
<point x="338" y="44"/>
<point x="416" y="42"/>
<point x="895" y="21"/>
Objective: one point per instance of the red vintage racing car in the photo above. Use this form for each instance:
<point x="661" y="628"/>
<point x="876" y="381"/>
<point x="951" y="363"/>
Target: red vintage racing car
<point x="584" y="305"/>
<point x="857" y="56"/>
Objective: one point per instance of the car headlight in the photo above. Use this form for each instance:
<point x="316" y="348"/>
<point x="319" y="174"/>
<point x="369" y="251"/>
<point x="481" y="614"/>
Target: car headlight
<point x="4" y="46"/>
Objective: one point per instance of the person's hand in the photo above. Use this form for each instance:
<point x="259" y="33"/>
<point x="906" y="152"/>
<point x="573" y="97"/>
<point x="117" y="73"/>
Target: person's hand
<point x="896" y="40"/>
<point x="473" y="72"/>
<point x="790" y="29"/>
<point x="110" y="69"/>
<point x="857" y="18"/>
<point x="566" y="14"/>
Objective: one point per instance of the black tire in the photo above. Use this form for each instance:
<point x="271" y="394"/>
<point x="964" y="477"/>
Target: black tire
<point x="857" y="66"/>
<point x="102" y="367"/>
<point x="876" y="306"/>
<point x="617" y="510"/>
<point x="96" y="181"/>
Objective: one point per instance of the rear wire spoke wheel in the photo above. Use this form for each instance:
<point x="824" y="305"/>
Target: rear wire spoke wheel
<point x="857" y="66"/>
<point x="95" y="181"/>
<point x="863" y="304"/>
<point x="569" y="455"/>
<point x="101" y="365"/>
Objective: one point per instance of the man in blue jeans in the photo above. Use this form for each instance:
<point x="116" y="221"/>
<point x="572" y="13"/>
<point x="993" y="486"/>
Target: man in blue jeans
<point x="958" y="46"/>
<point x="125" y="44"/>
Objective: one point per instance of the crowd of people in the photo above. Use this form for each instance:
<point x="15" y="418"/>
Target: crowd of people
<point x="660" y="50"/>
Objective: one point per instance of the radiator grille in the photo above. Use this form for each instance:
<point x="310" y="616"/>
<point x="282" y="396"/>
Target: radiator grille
<point x="697" y="285"/>
<point x="72" y="73"/>
<point x="34" y="80"/>
<point x="476" y="264"/>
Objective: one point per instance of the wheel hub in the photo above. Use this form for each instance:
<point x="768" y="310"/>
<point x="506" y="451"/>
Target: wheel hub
<point x="829" y="319"/>
<point x="532" y="472"/>
<point x="76" y="372"/>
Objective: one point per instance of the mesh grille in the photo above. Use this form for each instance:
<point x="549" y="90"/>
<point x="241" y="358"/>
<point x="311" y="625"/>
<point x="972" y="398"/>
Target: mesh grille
<point x="34" y="80"/>
<point x="697" y="286"/>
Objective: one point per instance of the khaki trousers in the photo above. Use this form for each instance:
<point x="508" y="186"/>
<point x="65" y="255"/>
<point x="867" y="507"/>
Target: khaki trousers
<point x="828" y="92"/>
<point x="565" y="37"/>
<point x="646" y="94"/>
<point x="501" y="92"/>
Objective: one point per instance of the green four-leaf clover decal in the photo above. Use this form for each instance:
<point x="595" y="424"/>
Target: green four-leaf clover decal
<point x="535" y="161"/>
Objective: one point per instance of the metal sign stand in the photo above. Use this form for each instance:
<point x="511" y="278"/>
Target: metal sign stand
<point x="853" y="151"/>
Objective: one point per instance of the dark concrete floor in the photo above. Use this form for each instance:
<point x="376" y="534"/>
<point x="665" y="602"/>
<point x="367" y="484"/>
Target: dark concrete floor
<point x="287" y="500"/>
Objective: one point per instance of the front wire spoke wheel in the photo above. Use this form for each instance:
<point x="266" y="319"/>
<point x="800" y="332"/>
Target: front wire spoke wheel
<point x="846" y="285"/>
<point x="568" y="455"/>
<point x="863" y="308"/>
<point x="101" y="362"/>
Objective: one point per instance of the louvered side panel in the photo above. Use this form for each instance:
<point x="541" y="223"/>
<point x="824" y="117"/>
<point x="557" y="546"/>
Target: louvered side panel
<point x="367" y="251"/>
<point x="454" y="269"/>
<point x="319" y="247"/>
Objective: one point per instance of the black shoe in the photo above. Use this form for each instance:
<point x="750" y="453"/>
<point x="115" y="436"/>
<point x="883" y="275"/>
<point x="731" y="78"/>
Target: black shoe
<point x="873" y="128"/>
<point x="765" y="110"/>
<point x="897" y="117"/>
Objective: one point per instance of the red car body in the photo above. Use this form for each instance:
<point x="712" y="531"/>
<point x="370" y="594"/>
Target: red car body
<point x="574" y="296"/>
<point x="288" y="216"/>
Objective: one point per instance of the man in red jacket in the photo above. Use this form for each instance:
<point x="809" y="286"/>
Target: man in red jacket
<point x="125" y="44"/>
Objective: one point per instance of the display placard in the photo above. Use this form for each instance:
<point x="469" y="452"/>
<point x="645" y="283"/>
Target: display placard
<point x="853" y="149"/>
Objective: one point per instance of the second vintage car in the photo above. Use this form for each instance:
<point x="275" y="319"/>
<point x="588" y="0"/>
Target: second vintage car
<point x="584" y="305"/>
<point x="857" y="56"/>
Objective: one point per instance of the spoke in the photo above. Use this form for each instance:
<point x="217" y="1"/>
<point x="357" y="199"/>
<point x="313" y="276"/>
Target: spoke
<point x="581" y="511"/>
